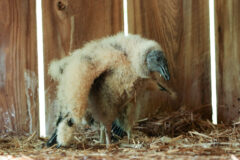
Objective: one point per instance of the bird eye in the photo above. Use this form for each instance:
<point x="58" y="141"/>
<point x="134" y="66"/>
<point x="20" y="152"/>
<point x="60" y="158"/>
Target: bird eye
<point x="158" y="59"/>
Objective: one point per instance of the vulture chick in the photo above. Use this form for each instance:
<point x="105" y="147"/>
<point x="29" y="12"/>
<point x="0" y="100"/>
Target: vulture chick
<point x="100" y="78"/>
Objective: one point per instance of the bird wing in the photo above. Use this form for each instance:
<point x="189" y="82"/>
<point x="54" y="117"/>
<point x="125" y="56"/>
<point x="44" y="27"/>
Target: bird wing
<point x="79" y="75"/>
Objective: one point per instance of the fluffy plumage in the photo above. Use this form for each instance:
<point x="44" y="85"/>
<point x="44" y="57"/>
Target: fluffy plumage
<point x="102" y="77"/>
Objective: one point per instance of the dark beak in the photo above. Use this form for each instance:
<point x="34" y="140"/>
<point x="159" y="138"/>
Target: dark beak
<point x="164" y="72"/>
<point x="156" y="62"/>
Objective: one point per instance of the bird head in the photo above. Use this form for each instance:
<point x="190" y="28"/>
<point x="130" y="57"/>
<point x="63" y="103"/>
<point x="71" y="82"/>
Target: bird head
<point x="145" y="55"/>
<point x="156" y="62"/>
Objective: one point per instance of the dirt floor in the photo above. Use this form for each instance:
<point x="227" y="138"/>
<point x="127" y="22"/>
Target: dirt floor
<point x="179" y="136"/>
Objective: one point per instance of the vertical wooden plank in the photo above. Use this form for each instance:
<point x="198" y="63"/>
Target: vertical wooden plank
<point x="228" y="58"/>
<point x="18" y="67"/>
<point x="68" y="24"/>
<point x="182" y="28"/>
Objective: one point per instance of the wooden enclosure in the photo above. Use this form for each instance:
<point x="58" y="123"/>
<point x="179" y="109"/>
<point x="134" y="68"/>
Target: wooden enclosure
<point x="180" y="26"/>
<point x="18" y="67"/>
<point x="228" y="59"/>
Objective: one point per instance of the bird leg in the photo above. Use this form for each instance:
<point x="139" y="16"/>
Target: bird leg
<point x="130" y="118"/>
<point x="129" y="134"/>
<point x="102" y="134"/>
<point x="108" y="129"/>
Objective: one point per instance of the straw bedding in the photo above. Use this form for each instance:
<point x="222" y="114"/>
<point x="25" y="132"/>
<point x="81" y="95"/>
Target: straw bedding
<point x="179" y="135"/>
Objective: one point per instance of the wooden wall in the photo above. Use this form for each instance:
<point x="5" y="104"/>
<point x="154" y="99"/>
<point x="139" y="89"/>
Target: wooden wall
<point x="182" y="28"/>
<point x="68" y="24"/>
<point x="18" y="67"/>
<point x="228" y="59"/>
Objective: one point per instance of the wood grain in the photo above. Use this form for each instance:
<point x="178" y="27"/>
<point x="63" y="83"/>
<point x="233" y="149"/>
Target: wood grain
<point x="18" y="67"/>
<point x="68" y="24"/>
<point x="228" y="59"/>
<point x="182" y="28"/>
